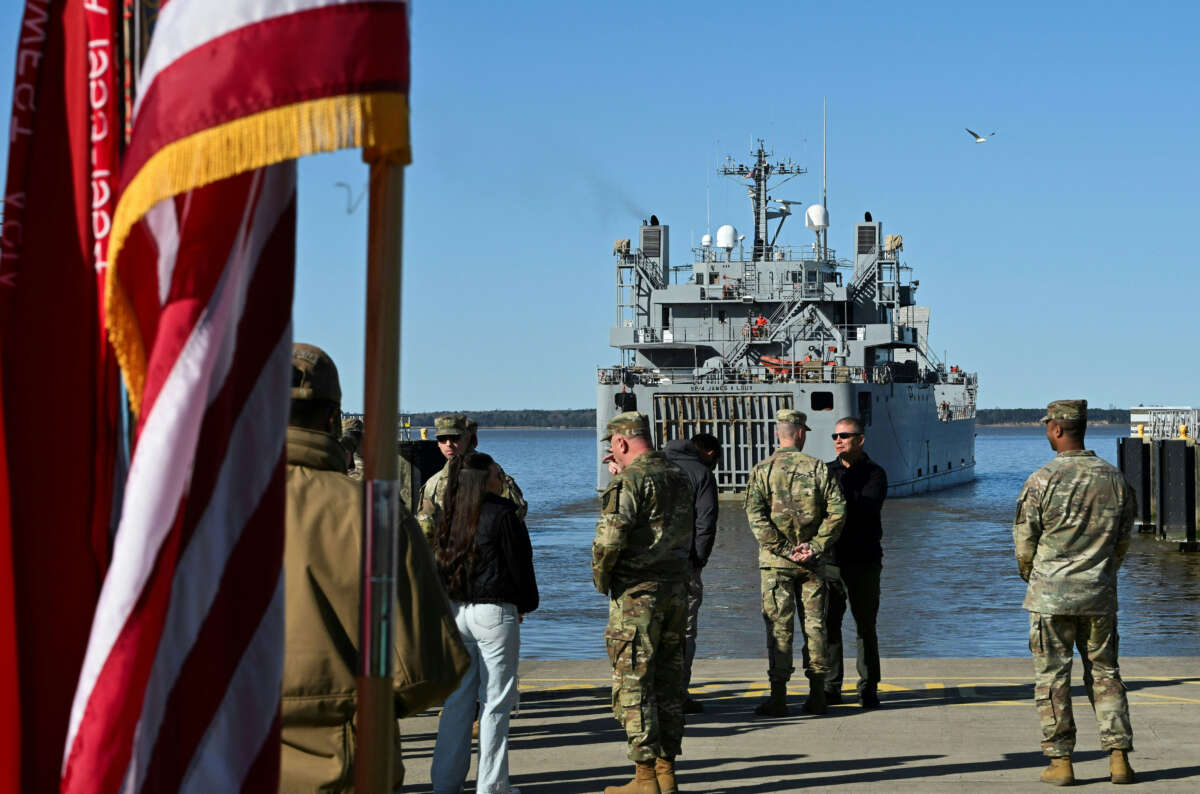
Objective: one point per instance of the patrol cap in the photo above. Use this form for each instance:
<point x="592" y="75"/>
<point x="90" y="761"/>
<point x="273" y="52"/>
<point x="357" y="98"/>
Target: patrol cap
<point x="450" y="425"/>
<point x="471" y="425"/>
<point x="352" y="432"/>
<point x="1069" y="410"/>
<point x="314" y="376"/>
<point x="790" y="416"/>
<point x="629" y="423"/>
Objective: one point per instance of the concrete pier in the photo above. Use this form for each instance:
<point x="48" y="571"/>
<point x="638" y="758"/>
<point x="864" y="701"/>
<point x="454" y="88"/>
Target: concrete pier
<point x="946" y="725"/>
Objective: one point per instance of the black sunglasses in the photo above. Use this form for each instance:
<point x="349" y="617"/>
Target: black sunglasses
<point x="836" y="436"/>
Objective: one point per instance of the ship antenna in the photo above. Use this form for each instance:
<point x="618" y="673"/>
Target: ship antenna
<point x="824" y="170"/>
<point x="707" y="201"/>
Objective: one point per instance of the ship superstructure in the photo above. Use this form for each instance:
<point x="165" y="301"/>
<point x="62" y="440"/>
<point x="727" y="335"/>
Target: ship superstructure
<point x="747" y="327"/>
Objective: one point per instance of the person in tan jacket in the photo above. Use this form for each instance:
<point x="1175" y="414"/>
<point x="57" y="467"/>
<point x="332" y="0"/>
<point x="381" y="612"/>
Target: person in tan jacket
<point x="321" y="565"/>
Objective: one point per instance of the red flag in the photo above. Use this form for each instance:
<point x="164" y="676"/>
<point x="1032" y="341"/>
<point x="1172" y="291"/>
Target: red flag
<point x="55" y="411"/>
<point x="180" y="686"/>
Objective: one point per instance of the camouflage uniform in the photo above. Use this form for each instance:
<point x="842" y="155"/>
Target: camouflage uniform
<point x="433" y="492"/>
<point x="1071" y="532"/>
<point x="352" y="433"/>
<point x="791" y="499"/>
<point x="640" y="557"/>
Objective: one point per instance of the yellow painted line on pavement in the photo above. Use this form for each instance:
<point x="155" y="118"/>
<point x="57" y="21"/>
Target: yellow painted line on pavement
<point x="967" y="688"/>
<point x="1166" y="697"/>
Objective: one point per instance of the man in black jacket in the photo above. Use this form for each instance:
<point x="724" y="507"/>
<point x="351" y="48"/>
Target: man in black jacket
<point x="698" y="457"/>
<point x="859" y="555"/>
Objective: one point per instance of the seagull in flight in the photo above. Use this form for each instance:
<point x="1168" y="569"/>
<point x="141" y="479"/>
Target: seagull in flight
<point x="978" y="138"/>
<point x="351" y="202"/>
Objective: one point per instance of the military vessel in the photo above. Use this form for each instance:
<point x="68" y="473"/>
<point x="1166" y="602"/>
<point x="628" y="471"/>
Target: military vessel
<point x="719" y="344"/>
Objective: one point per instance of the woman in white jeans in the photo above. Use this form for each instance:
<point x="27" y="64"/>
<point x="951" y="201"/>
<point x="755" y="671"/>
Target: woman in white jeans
<point x="486" y="562"/>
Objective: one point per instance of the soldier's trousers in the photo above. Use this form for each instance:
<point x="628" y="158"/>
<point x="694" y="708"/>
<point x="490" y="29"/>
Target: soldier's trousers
<point x="787" y="593"/>
<point x="1052" y="639"/>
<point x="695" y="597"/>
<point x="645" y="645"/>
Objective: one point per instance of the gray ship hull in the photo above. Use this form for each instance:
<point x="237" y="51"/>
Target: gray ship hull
<point x="753" y="325"/>
<point x="919" y="447"/>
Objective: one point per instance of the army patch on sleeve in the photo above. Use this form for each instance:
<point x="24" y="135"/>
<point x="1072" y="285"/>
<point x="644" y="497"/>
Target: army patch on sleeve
<point x="610" y="502"/>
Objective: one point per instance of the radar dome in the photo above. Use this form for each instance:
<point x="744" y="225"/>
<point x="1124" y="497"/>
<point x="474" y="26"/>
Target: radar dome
<point x="706" y="241"/>
<point x="816" y="218"/>
<point x="726" y="237"/>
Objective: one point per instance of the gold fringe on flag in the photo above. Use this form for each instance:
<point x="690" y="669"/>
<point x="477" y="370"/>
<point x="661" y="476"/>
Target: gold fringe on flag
<point x="375" y="122"/>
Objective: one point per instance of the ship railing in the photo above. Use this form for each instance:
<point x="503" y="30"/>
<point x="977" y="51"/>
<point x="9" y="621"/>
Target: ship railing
<point x="780" y="253"/>
<point x="950" y="412"/>
<point x="800" y="372"/>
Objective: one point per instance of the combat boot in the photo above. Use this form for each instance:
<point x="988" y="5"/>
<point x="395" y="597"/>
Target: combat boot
<point x="664" y="770"/>
<point x="1060" y="772"/>
<point x="1119" y="770"/>
<point x="775" y="705"/>
<point x="816" y="697"/>
<point x="645" y="781"/>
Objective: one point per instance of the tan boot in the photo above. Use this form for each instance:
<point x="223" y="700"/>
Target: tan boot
<point x="644" y="781"/>
<point x="664" y="770"/>
<point x="1119" y="770"/>
<point x="1060" y="772"/>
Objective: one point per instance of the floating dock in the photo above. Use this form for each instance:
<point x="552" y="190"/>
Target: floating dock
<point x="1159" y="462"/>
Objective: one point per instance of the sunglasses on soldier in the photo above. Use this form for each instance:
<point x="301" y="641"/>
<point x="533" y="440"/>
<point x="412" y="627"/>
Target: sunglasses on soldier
<point x="836" y="436"/>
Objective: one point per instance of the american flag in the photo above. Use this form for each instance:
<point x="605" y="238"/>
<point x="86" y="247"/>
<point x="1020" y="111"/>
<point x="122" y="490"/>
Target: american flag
<point x="180" y="684"/>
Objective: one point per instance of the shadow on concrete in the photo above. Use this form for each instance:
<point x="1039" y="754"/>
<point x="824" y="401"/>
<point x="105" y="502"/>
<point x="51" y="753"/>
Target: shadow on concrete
<point x="615" y="776"/>
<point x="883" y="770"/>
<point x="1177" y="773"/>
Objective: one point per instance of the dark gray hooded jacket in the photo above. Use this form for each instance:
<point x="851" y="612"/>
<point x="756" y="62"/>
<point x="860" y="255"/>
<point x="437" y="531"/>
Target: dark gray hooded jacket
<point x="704" y="487"/>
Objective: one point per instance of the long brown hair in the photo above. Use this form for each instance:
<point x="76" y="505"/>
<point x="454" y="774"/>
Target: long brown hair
<point x="454" y="544"/>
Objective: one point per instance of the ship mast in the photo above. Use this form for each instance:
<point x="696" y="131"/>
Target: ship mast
<point x="758" y="174"/>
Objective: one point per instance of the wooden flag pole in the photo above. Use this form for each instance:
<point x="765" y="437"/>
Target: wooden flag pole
<point x="376" y="709"/>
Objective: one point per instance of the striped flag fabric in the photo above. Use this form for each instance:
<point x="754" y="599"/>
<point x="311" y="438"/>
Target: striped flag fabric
<point x="180" y="684"/>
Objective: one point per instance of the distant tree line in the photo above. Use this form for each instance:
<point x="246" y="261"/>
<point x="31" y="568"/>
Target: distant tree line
<point x="570" y="417"/>
<point x="1025" y="416"/>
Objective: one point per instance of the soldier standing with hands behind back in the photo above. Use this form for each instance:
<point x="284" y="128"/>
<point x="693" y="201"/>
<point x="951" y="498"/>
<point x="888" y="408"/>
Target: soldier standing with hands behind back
<point x="1072" y="530"/>
<point x="640" y="558"/>
<point x="795" y="510"/>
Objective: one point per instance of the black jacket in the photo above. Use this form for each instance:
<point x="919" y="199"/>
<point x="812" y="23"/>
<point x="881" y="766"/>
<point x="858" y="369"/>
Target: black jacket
<point x="704" y="489"/>
<point x="503" y="570"/>
<point x="865" y="487"/>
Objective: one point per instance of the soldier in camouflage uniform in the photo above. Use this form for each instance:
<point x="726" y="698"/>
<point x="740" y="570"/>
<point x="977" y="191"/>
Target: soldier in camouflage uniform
<point x="352" y="433"/>
<point x="640" y="557"/>
<point x="795" y="510"/>
<point x="1072" y="530"/>
<point x="456" y="435"/>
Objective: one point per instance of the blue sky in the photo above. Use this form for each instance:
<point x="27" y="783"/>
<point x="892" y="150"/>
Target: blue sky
<point x="1056" y="257"/>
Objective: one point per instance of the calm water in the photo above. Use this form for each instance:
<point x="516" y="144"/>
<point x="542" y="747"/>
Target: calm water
<point x="950" y="584"/>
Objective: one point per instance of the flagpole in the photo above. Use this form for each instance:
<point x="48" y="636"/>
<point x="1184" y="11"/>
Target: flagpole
<point x="376" y="709"/>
